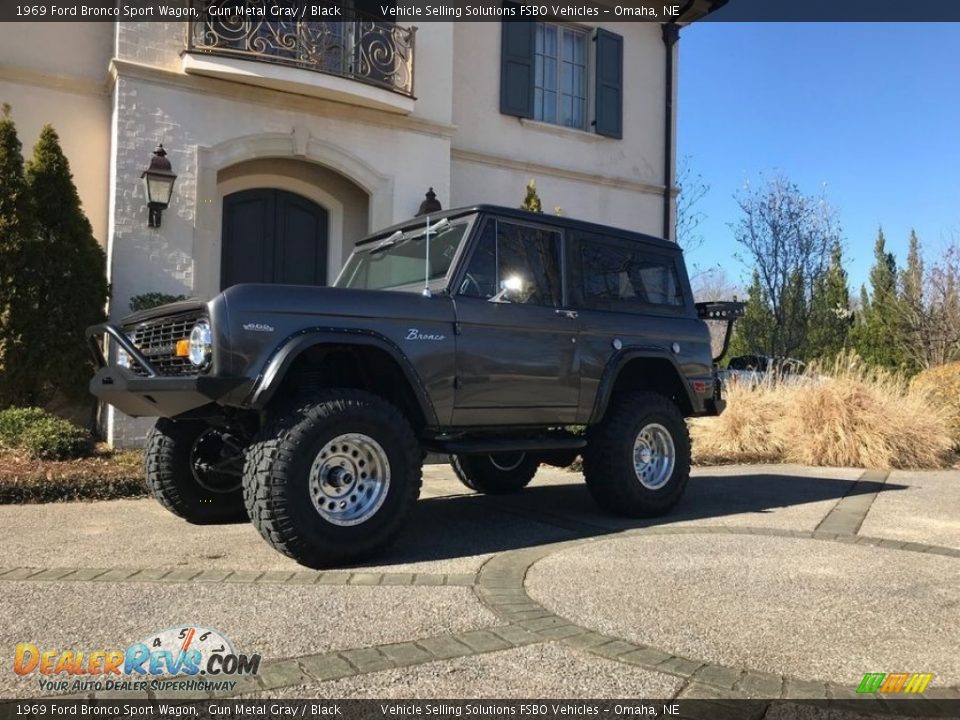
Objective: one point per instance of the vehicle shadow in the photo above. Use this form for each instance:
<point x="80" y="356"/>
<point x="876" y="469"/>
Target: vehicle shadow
<point x="464" y="525"/>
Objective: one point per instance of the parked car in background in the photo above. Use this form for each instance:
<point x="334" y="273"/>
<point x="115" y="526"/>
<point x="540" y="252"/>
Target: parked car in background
<point x="755" y="369"/>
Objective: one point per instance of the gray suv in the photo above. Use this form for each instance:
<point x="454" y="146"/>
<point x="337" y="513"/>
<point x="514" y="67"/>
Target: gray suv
<point x="501" y="338"/>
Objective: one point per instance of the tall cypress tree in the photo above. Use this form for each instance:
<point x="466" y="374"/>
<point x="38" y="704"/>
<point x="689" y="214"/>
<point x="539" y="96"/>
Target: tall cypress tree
<point x="753" y="333"/>
<point x="16" y="298"/>
<point x="875" y="333"/>
<point x="912" y="277"/>
<point x="73" y="283"/>
<point x="791" y="331"/>
<point x="864" y="299"/>
<point x="829" y="310"/>
<point x="912" y="311"/>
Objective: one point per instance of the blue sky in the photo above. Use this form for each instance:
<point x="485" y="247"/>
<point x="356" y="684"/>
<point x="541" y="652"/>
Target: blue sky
<point x="871" y="111"/>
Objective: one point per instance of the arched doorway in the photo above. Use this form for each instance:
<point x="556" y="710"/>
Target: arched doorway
<point x="273" y="236"/>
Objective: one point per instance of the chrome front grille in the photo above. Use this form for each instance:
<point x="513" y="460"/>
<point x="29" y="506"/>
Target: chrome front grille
<point x="157" y="340"/>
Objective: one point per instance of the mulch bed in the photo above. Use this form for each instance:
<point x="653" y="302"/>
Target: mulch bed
<point x="104" y="476"/>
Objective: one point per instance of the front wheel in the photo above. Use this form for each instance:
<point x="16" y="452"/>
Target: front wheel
<point x="330" y="479"/>
<point x="495" y="474"/>
<point x="194" y="470"/>
<point x="637" y="461"/>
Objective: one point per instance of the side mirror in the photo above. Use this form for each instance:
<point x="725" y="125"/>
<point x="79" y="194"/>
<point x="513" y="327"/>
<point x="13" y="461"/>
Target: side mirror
<point x="512" y="289"/>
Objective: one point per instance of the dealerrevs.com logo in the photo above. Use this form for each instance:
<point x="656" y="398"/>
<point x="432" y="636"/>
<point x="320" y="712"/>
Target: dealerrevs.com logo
<point x="200" y="658"/>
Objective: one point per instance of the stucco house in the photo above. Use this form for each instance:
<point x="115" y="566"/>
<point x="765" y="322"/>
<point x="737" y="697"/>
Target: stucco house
<point x="292" y="140"/>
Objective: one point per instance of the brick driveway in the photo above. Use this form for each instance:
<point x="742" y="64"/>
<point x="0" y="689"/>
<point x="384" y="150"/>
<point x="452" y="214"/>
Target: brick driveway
<point x="767" y="581"/>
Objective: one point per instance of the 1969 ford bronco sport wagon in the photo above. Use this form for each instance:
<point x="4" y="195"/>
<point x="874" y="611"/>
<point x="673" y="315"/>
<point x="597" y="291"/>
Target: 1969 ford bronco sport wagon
<point x="492" y="335"/>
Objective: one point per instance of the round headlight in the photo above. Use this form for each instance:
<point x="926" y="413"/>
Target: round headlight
<point x="201" y="343"/>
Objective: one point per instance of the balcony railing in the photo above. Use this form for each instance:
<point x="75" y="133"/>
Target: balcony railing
<point x="361" y="48"/>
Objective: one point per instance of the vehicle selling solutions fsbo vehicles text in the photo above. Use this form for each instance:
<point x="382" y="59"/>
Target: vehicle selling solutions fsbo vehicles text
<point x="567" y="12"/>
<point x="473" y="11"/>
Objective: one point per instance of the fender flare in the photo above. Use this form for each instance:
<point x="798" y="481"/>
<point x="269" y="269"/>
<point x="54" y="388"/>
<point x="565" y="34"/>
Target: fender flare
<point x="619" y="360"/>
<point x="292" y="347"/>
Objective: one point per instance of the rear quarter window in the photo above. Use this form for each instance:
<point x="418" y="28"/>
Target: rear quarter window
<point x="626" y="276"/>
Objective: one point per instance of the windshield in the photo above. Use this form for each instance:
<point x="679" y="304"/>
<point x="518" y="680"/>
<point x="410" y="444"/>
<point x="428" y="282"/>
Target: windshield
<point x="396" y="262"/>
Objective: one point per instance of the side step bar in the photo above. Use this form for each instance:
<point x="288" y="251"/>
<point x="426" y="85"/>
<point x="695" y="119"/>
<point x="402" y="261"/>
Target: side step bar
<point x="484" y="446"/>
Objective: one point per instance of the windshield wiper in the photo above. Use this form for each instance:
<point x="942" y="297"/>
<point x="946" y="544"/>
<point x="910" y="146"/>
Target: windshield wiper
<point x="387" y="242"/>
<point x="398" y="239"/>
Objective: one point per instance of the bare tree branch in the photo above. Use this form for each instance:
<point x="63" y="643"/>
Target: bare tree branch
<point x="692" y="191"/>
<point x="788" y="237"/>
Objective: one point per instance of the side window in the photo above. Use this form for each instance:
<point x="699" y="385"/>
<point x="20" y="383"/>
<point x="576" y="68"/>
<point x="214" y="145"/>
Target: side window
<point x="480" y="280"/>
<point x="617" y="276"/>
<point x="519" y="253"/>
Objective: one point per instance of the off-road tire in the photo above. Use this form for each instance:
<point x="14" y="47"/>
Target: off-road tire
<point x="608" y="460"/>
<point x="276" y="482"/>
<point x="170" y="478"/>
<point x="479" y="473"/>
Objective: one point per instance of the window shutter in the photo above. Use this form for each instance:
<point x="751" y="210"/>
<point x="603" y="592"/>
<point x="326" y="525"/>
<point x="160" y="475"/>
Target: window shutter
<point x="609" y="84"/>
<point x="516" y="68"/>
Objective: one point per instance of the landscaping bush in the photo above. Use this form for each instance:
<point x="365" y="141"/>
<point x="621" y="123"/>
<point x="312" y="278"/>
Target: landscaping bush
<point x="106" y="475"/>
<point x="69" y="287"/>
<point x="745" y="430"/>
<point x="43" y="436"/>
<point x="841" y="415"/>
<point x="53" y="281"/>
<point x="15" y="421"/>
<point x="941" y="386"/>
<point x="54" y="438"/>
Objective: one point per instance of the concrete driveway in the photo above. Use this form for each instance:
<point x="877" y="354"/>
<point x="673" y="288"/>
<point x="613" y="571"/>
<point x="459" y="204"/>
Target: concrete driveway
<point x="767" y="581"/>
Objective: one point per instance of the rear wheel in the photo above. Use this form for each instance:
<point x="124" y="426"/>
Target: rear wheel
<point x="194" y="470"/>
<point x="497" y="473"/>
<point x="330" y="479"/>
<point x="637" y="461"/>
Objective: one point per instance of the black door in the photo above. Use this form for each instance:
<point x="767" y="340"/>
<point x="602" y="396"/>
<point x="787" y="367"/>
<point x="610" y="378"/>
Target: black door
<point x="272" y="236"/>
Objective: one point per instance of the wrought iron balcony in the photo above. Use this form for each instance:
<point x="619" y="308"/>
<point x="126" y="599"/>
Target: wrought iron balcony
<point x="361" y="48"/>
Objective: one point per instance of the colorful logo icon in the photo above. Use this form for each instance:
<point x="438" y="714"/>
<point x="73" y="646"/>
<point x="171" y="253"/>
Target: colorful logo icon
<point x="893" y="683"/>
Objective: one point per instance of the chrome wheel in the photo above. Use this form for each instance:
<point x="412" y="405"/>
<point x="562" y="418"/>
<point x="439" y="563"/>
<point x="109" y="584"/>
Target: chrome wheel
<point x="505" y="462"/>
<point x="216" y="461"/>
<point x="349" y="479"/>
<point x="654" y="456"/>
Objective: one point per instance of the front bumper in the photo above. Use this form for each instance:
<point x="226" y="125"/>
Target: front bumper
<point x="156" y="396"/>
<point x="153" y="395"/>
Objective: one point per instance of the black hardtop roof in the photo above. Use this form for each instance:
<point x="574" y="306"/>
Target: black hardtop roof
<point x="526" y="215"/>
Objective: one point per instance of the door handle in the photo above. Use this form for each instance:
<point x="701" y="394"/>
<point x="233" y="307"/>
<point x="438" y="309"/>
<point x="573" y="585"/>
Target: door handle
<point x="572" y="314"/>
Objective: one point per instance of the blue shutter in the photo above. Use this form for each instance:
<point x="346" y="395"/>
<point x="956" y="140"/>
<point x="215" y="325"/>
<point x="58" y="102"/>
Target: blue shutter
<point x="516" y="68"/>
<point x="609" y="84"/>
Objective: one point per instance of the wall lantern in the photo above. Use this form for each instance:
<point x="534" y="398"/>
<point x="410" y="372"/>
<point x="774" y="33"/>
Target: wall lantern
<point x="158" y="181"/>
<point x="430" y="205"/>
